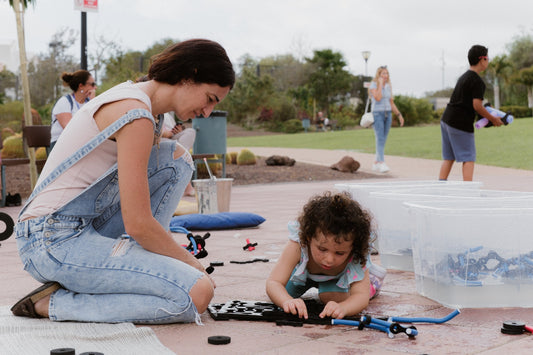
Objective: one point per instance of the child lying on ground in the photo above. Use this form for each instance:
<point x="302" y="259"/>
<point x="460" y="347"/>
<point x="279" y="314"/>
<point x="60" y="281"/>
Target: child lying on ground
<point x="328" y="249"/>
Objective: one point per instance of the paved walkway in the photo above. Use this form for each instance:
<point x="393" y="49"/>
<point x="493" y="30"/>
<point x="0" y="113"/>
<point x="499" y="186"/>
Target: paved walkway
<point x="474" y="331"/>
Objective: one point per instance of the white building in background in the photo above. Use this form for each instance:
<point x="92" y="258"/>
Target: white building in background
<point x="439" y="102"/>
<point x="9" y="55"/>
<point x="9" y="59"/>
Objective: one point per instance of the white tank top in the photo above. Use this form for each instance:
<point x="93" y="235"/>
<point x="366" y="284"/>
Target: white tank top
<point x="77" y="133"/>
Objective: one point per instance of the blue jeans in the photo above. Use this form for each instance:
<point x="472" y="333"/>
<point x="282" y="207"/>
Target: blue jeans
<point x="106" y="275"/>
<point x="382" y="123"/>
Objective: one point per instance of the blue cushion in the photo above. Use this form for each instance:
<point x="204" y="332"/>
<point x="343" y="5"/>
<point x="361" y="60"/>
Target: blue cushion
<point x="221" y="220"/>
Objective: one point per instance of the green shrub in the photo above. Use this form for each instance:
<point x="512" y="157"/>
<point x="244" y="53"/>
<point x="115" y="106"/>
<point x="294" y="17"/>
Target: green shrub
<point x="233" y="157"/>
<point x="7" y="132"/>
<point x="46" y="113"/>
<point x="437" y="114"/>
<point x="415" y="111"/>
<point x="293" y="126"/>
<point x="40" y="153"/>
<point x="274" y="117"/>
<point x="345" y="116"/>
<point x="11" y="114"/>
<point x="246" y="157"/>
<point x="13" y="147"/>
<point x="215" y="167"/>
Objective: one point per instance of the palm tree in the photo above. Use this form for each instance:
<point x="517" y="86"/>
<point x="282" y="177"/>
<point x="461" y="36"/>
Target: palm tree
<point x="19" y="6"/>
<point x="498" y="67"/>
<point x="525" y="76"/>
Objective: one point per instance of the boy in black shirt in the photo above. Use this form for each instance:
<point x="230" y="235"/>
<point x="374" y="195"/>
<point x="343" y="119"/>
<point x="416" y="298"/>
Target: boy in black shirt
<point x="457" y="122"/>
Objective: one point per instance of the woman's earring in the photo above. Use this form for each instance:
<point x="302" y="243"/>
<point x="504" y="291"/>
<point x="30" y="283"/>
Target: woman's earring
<point x="81" y="91"/>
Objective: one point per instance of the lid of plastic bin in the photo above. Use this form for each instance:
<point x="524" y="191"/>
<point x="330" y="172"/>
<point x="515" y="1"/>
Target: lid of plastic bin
<point x="215" y="114"/>
<point x="489" y="206"/>
<point x="218" y="114"/>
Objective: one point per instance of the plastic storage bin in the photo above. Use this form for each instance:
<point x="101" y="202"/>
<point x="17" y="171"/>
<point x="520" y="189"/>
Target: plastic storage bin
<point x="474" y="253"/>
<point x="361" y="191"/>
<point x="392" y="217"/>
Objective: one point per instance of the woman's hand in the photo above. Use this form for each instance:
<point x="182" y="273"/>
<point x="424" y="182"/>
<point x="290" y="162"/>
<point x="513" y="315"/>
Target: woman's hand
<point x="295" y="306"/>
<point x="91" y="94"/>
<point x="400" y="119"/>
<point x="177" y="129"/>
<point x="333" y="310"/>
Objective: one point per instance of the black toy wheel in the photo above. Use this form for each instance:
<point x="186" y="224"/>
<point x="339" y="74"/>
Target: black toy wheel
<point x="9" y="224"/>
<point x="513" y="327"/>
<point x="219" y="340"/>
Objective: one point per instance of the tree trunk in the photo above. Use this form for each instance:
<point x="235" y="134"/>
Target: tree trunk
<point x="496" y="94"/>
<point x="19" y="15"/>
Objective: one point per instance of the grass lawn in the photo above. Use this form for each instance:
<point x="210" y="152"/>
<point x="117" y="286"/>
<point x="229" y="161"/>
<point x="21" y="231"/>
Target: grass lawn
<point x="508" y="146"/>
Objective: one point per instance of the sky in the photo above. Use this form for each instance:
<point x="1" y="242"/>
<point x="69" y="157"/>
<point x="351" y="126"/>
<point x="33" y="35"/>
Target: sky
<point x="424" y="43"/>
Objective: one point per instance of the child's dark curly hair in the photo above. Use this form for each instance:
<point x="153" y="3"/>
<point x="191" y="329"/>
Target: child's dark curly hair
<point x="339" y="216"/>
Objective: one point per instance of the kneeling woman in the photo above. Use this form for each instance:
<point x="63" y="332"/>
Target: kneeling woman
<point x="95" y="229"/>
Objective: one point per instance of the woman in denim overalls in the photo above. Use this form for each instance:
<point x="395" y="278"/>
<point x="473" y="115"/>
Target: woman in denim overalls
<point x="95" y="229"/>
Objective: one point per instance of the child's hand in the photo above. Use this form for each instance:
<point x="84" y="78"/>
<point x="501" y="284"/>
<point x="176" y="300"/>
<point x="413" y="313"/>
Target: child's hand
<point x="295" y="306"/>
<point x="333" y="310"/>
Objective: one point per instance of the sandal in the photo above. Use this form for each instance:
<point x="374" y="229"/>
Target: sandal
<point x="26" y="306"/>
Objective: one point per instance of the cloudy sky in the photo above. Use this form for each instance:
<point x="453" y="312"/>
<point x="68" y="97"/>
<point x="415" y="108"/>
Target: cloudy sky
<point x="423" y="42"/>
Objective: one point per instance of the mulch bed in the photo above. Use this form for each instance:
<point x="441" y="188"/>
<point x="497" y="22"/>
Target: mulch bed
<point x="261" y="173"/>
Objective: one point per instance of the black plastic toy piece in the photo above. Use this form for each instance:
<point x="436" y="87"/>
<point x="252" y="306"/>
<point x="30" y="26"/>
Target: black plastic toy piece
<point x="249" y="246"/>
<point x="63" y="351"/>
<point x="513" y="328"/>
<point x="216" y="263"/>
<point x="219" y="340"/>
<point x="267" y="312"/>
<point x="249" y="261"/>
<point x="197" y="245"/>
<point x="290" y="322"/>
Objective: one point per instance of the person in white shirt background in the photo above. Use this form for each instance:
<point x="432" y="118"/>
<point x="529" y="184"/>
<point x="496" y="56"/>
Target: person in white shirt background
<point x="184" y="136"/>
<point x="83" y="89"/>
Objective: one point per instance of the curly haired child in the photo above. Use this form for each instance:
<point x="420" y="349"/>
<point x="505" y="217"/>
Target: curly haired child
<point x="328" y="249"/>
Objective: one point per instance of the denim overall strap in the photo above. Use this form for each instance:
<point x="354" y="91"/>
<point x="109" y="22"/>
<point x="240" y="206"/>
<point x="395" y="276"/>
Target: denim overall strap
<point x="88" y="147"/>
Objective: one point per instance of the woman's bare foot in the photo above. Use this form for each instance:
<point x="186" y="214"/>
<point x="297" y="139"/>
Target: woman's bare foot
<point x="189" y="190"/>
<point x="42" y="306"/>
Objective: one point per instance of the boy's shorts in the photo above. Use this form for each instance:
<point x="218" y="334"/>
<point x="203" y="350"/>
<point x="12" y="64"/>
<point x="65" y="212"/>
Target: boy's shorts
<point x="456" y="144"/>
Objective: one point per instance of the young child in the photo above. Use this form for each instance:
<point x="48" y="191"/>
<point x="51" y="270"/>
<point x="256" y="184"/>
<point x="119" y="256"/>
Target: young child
<point x="328" y="249"/>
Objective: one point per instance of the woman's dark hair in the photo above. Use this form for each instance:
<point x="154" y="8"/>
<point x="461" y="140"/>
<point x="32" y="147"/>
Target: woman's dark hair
<point x="73" y="80"/>
<point x="196" y="60"/>
<point x="339" y="216"/>
<point x="475" y="53"/>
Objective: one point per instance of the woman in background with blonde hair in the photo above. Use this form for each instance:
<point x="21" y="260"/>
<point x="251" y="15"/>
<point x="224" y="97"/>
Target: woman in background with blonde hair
<point x="382" y="107"/>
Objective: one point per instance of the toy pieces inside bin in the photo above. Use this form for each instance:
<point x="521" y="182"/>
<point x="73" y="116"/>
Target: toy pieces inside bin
<point x="267" y="312"/>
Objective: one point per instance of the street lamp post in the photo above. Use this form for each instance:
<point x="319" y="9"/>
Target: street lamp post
<point x="366" y="55"/>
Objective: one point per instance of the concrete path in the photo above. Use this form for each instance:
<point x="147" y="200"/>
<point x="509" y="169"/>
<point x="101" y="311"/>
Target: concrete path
<point x="474" y="331"/>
